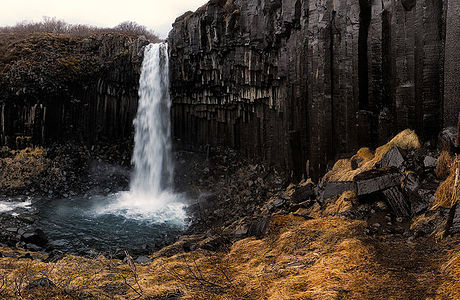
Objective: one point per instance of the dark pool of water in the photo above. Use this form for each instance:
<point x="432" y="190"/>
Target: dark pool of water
<point x="72" y="226"/>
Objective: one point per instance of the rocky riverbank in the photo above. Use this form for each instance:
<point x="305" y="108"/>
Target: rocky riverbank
<point x="384" y="222"/>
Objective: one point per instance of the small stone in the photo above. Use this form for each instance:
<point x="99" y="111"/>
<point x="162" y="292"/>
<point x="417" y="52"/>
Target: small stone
<point x="377" y="225"/>
<point x="429" y="162"/>
<point x="399" y="219"/>
<point x="40" y="283"/>
<point x="143" y="260"/>
<point x="278" y="202"/>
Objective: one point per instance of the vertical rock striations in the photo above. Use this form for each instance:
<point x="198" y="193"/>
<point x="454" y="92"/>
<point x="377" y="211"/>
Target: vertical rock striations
<point x="56" y="88"/>
<point x="300" y="82"/>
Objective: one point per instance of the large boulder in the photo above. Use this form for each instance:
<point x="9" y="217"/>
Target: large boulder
<point x="36" y="237"/>
<point x="393" y="158"/>
<point x="303" y="193"/>
<point x="376" y="180"/>
<point x="455" y="225"/>
<point x="336" y="188"/>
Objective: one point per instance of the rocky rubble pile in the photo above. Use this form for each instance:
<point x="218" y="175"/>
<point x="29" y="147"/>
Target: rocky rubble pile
<point x="392" y="188"/>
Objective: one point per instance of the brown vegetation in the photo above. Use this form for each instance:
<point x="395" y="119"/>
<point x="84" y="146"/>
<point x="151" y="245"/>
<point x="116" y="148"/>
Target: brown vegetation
<point x="444" y="165"/>
<point x="19" y="167"/>
<point x="343" y="171"/>
<point x="324" y="258"/>
<point x="53" y="25"/>
<point x="448" y="192"/>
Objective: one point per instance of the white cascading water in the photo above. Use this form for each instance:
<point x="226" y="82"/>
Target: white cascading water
<point x="151" y="196"/>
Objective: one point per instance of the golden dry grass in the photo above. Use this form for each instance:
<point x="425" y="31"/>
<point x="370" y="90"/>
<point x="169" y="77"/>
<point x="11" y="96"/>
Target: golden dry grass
<point x="324" y="258"/>
<point x="448" y="192"/>
<point x="444" y="165"/>
<point x="23" y="165"/>
<point x="342" y="170"/>
<point x="451" y="269"/>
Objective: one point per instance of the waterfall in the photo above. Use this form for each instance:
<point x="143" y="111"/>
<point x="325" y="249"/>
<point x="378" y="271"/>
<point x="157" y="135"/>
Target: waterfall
<point x="152" y="143"/>
<point x="151" y="195"/>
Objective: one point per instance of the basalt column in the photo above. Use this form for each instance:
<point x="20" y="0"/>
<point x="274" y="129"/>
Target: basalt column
<point x="452" y="64"/>
<point x="300" y="83"/>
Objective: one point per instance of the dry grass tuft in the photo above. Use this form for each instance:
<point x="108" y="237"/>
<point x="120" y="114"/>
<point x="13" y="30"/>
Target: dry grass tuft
<point x="22" y="166"/>
<point x="444" y="165"/>
<point x="451" y="286"/>
<point x="448" y="192"/>
<point x="343" y="204"/>
<point x="342" y="170"/>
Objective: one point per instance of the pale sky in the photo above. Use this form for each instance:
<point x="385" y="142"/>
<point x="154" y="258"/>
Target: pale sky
<point x="157" y="15"/>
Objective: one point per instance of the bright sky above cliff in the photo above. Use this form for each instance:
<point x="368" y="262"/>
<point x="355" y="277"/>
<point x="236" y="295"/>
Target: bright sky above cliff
<point x="157" y="15"/>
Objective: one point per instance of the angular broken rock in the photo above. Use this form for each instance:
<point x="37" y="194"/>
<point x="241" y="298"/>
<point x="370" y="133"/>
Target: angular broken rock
<point x="393" y="158"/>
<point x="398" y="201"/>
<point x="37" y="237"/>
<point x="303" y="193"/>
<point x="259" y="226"/>
<point x="335" y="188"/>
<point x="455" y="212"/>
<point x="426" y="198"/>
<point x="376" y="180"/>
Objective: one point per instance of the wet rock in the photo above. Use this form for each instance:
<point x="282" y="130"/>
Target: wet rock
<point x="376" y="180"/>
<point x="33" y="247"/>
<point x="447" y="139"/>
<point x="37" y="237"/>
<point x="336" y="188"/>
<point x="455" y="213"/>
<point x="214" y="243"/>
<point x="303" y="193"/>
<point x="393" y="158"/>
<point x="258" y="227"/>
<point x="143" y="260"/>
<point x="397" y="201"/>
<point x="421" y="201"/>
<point x="411" y="182"/>
<point x="40" y="283"/>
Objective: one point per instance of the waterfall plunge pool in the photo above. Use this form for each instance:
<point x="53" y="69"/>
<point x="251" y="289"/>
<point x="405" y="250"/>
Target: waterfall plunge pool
<point x="101" y="224"/>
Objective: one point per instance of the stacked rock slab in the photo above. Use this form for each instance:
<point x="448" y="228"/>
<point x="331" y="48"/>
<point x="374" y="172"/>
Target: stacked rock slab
<point x="301" y="82"/>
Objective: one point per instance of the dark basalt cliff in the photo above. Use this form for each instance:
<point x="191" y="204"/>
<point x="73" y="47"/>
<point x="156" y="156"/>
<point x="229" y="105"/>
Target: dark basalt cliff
<point x="299" y="83"/>
<point x="59" y="88"/>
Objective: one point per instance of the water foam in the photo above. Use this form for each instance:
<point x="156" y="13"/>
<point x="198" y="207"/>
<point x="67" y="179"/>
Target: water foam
<point x="7" y="206"/>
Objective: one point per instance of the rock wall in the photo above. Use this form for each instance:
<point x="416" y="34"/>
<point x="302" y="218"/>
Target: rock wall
<point x="300" y="83"/>
<point x="57" y="88"/>
<point x="452" y="64"/>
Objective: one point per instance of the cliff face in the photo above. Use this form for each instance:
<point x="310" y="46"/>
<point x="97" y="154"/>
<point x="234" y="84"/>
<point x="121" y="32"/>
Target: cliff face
<point x="302" y="82"/>
<point x="59" y="88"/>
